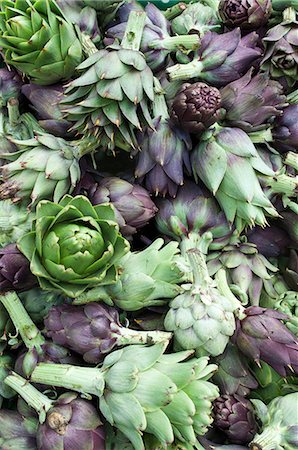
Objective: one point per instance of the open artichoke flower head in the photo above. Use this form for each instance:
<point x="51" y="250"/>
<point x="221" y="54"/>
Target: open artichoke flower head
<point x="73" y="245"/>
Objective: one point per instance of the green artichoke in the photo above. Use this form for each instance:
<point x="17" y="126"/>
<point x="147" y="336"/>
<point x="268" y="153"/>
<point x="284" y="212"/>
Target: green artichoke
<point x="38" y="40"/>
<point x="15" y="221"/>
<point x="73" y="245"/>
<point x="141" y="389"/>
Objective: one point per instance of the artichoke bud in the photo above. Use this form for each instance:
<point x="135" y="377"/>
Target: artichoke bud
<point x="285" y="130"/>
<point x="196" y="107"/>
<point x="248" y="15"/>
<point x="15" y="273"/>
<point x="197" y="18"/>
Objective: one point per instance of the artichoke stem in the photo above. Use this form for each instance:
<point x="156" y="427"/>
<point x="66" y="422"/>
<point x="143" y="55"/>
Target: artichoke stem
<point x="268" y="440"/>
<point x="93" y="295"/>
<point x="291" y="159"/>
<point x="134" y="30"/>
<point x="174" y="11"/>
<point x="224" y="289"/>
<point x="31" y="123"/>
<point x="129" y="337"/>
<point x="160" y="108"/>
<point x="30" y="334"/>
<point x="40" y="402"/>
<point x="199" y="268"/>
<point x="86" y="380"/>
<point x="261" y="136"/>
<point x="85" y="146"/>
<point x="88" y="47"/>
<point x="289" y="14"/>
<point x="185" y="71"/>
<point x="182" y="42"/>
<point x="292" y="98"/>
<point x="283" y="184"/>
<point x="13" y="111"/>
<point x="194" y="241"/>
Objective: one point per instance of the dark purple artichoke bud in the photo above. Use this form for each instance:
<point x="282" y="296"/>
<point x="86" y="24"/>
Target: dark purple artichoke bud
<point x="285" y="130"/>
<point x="246" y="14"/>
<point x="233" y="375"/>
<point x="10" y="85"/>
<point x="94" y="329"/>
<point x="221" y="58"/>
<point x="71" y="423"/>
<point x="234" y="415"/>
<point x="251" y="102"/>
<point x="45" y="101"/>
<point x="281" y="54"/>
<point x="133" y="205"/>
<point x="196" y="107"/>
<point x="164" y="154"/>
<point x="271" y="241"/>
<point x="15" y="271"/>
<point x="193" y="210"/>
<point x="261" y="335"/>
<point x="17" y="431"/>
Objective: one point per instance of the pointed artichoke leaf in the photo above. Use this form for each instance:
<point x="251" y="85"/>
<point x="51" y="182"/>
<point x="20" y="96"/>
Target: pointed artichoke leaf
<point x="134" y="417"/>
<point x="159" y="425"/>
<point x="212" y="165"/>
<point x="143" y="357"/>
<point x="26" y="244"/>
<point x="154" y="389"/>
<point x="122" y="377"/>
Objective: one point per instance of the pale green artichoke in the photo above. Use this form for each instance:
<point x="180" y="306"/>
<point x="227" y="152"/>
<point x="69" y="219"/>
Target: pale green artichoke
<point x="73" y="245"/>
<point x="142" y="390"/>
<point x="38" y="40"/>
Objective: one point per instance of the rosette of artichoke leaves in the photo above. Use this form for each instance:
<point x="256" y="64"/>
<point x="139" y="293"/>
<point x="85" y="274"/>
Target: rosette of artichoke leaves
<point x="73" y="245"/>
<point x="38" y="40"/>
<point x="246" y="14"/>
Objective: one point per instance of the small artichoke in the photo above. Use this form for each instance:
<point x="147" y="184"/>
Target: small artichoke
<point x="38" y="40"/>
<point x="261" y="335"/>
<point x="77" y="249"/>
<point x="285" y="130"/>
<point x="15" y="271"/>
<point x="196" y="107"/>
<point x="199" y="18"/>
<point x="252" y="102"/>
<point x="234" y="415"/>
<point x="246" y="14"/>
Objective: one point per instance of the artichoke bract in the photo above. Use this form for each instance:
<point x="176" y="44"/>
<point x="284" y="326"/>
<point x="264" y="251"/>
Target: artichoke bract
<point x="198" y="18"/>
<point x="196" y="107"/>
<point x="15" y="271"/>
<point x="15" y="221"/>
<point x="285" y="130"/>
<point x="17" y="431"/>
<point x="73" y="245"/>
<point x="38" y="40"/>
<point x="246" y="14"/>
<point x="220" y="160"/>
<point x="234" y="415"/>
<point x="221" y="58"/>
<point x="165" y="395"/>
<point x="113" y="95"/>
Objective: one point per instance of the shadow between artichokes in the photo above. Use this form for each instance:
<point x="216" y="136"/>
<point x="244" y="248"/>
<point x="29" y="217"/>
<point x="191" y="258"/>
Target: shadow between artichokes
<point x="73" y="245"/>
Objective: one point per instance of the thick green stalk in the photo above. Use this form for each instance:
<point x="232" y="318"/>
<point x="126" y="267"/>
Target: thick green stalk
<point x="86" y="380"/>
<point x="292" y="98"/>
<point x="84" y="146"/>
<point x="291" y="159"/>
<point x="38" y="401"/>
<point x="88" y="47"/>
<point x="130" y="337"/>
<point x="289" y="15"/>
<point x="174" y="11"/>
<point x="160" y="107"/>
<point x="199" y="268"/>
<point x="283" y="184"/>
<point x="261" y="136"/>
<point x="30" y="334"/>
<point x="185" y="71"/>
<point x="269" y="439"/>
<point x="134" y="30"/>
<point x="186" y="42"/>
<point x="31" y="123"/>
<point x="13" y="111"/>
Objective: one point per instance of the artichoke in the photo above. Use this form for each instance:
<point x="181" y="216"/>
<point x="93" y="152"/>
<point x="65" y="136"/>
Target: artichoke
<point x="146" y="278"/>
<point x="261" y="335"/>
<point x="45" y="167"/>
<point x="285" y="130"/>
<point x="15" y="221"/>
<point x="38" y="40"/>
<point x="114" y="93"/>
<point x="200" y="317"/>
<point x="199" y="18"/>
<point x="93" y="330"/>
<point x="221" y="58"/>
<point x="252" y="102"/>
<point x="15" y="270"/>
<point x="106" y="9"/>
<point x="271" y="241"/>
<point x="17" y="431"/>
<point x="161" y="394"/>
<point x="234" y="415"/>
<point x="10" y="85"/>
<point x="234" y="375"/>
<point x="231" y="153"/>
<point x="246" y="14"/>
<point x="196" y="107"/>
<point x="133" y="205"/>
<point x="279" y="419"/>
<point x="77" y="249"/>
<point x="6" y="364"/>
<point x="38" y="302"/>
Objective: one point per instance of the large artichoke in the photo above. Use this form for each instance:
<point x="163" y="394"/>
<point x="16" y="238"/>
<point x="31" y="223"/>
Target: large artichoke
<point x="73" y="245"/>
<point x="246" y="14"/>
<point x="140" y="389"/>
<point x="38" y="40"/>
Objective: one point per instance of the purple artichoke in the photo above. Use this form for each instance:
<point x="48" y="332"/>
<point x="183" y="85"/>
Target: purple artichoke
<point x="133" y="205"/>
<point x="15" y="271"/>
<point x="93" y="330"/>
<point x="196" y="107"/>
<point x="10" y="85"/>
<point x="73" y="423"/>
<point x="233" y="375"/>
<point x="285" y="130"/>
<point x="221" y="58"/>
<point x="261" y="335"/>
<point x="271" y="241"/>
<point x="246" y="14"/>
<point x="17" y="431"/>
<point x="251" y="102"/>
<point x="234" y="415"/>
<point x="165" y="152"/>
